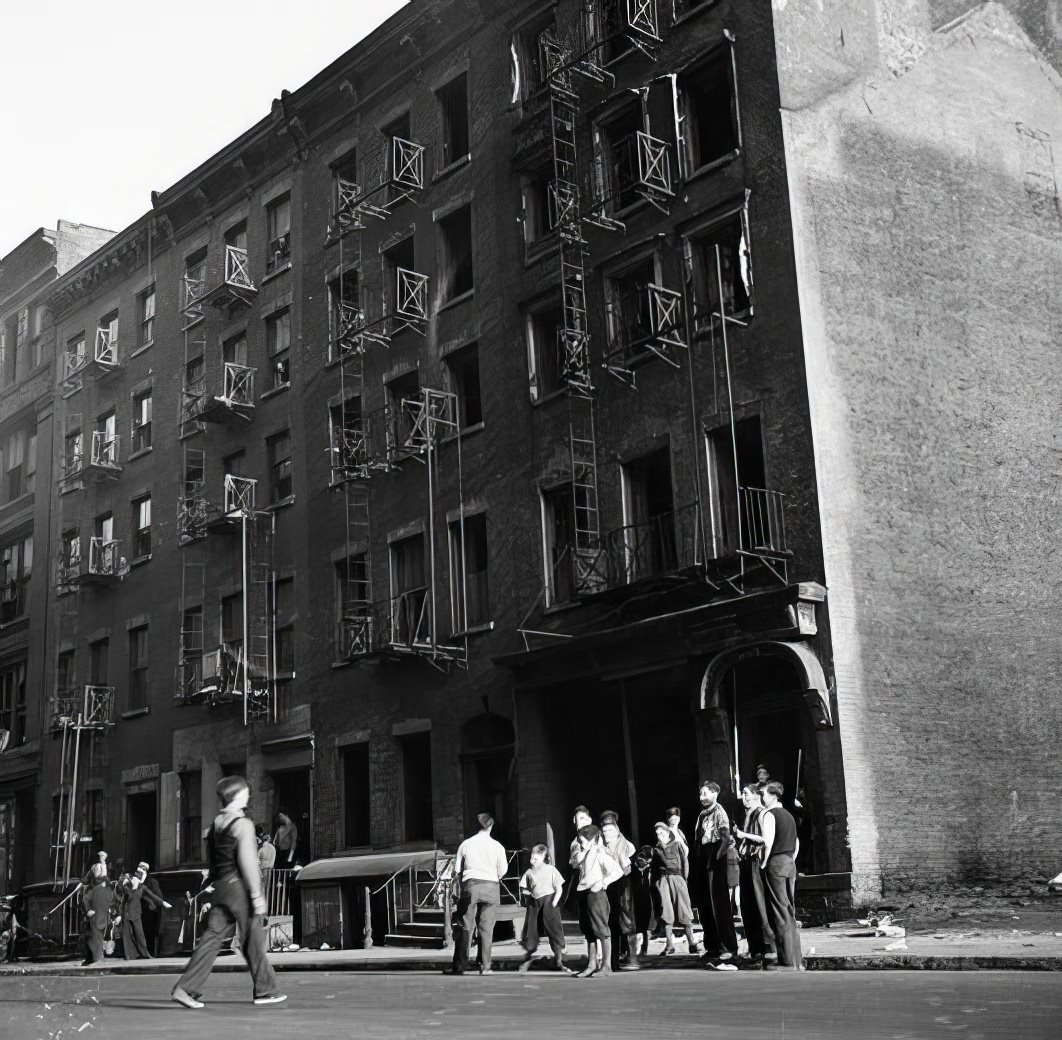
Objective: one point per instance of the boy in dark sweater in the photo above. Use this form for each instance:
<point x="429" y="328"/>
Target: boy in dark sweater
<point x="671" y="868"/>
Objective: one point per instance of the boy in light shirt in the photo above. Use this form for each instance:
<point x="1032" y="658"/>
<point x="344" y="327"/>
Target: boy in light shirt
<point x="543" y="886"/>
<point x="597" y="870"/>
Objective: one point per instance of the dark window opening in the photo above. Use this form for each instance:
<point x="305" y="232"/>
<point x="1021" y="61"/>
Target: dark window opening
<point x="357" y="796"/>
<point x="455" y="267"/>
<point x="284" y="614"/>
<point x="409" y="617"/>
<point x="734" y="265"/>
<point x="138" y="668"/>
<point x="628" y="304"/>
<point x="278" y="344"/>
<point x="464" y="378"/>
<point x="280" y="473"/>
<point x="546" y="350"/>
<point x="711" y="128"/>
<point x="540" y="211"/>
<point x="401" y="256"/>
<point x="278" y="221"/>
<point x="751" y="473"/>
<point x="468" y="573"/>
<point x="648" y="543"/>
<point x="191" y="816"/>
<point x="401" y="426"/>
<point x="418" y="821"/>
<point x="453" y="100"/>
<point x="559" y="538"/>
<point x="141" y="524"/>
<point x="344" y="174"/>
<point x="619" y="174"/>
<point x="344" y="307"/>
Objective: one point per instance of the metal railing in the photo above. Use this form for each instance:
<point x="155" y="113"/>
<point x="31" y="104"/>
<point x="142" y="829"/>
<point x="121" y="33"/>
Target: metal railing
<point x="662" y="544"/>
<point x="411" y="295"/>
<point x="763" y="522"/>
<point x="279" y="891"/>
<point x="74" y="360"/>
<point x="85" y="705"/>
<point x="194" y="291"/>
<point x="106" y="347"/>
<point x="407" y="164"/>
<point x="411" y="618"/>
<point x="104" y="451"/>
<point x="237" y="268"/>
<point x="239" y="494"/>
<point x="238" y="385"/>
<point x="356" y="633"/>
<point x="68" y="566"/>
<point x="654" y="166"/>
<point x="103" y="557"/>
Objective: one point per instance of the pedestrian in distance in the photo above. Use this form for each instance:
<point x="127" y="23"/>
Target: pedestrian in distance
<point x="597" y="869"/>
<point x="620" y="896"/>
<point x="671" y="869"/>
<point x="479" y="866"/>
<point x="711" y="846"/>
<point x="758" y="934"/>
<point x="285" y="840"/>
<point x="135" y="893"/>
<point x="780" y="849"/>
<point x="99" y="900"/>
<point x="237" y="901"/>
<point x="542" y="888"/>
<point x="267" y="852"/>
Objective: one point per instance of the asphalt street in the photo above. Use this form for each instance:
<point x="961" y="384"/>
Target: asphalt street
<point x="665" y="1004"/>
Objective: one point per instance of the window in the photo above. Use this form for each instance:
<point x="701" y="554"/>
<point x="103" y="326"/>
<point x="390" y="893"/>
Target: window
<point x="400" y="129"/>
<point x="353" y="598"/>
<point x="145" y="316"/>
<point x="401" y="257"/>
<point x="236" y="236"/>
<point x="532" y="49"/>
<point x="558" y="539"/>
<point x="142" y="421"/>
<point x="344" y="179"/>
<point x="418" y="824"/>
<point x="284" y="612"/>
<point x="142" y="527"/>
<point x="16" y="566"/>
<point x="191" y="818"/>
<point x="400" y="426"/>
<point x="191" y="660"/>
<point x="455" y="255"/>
<point x="235" y="465"/>
<point x="539" y="204"/>
<point x="14" y="459"/>
<point x="234" y="350"/>
<point x="278" y="342"/>
<point x="616" y="145"/>
<point x="75" y="354"/>
<point x="70" y="555"/>
<point x="105" y="446"/>
<point x="278" y="222"/>
<point x="107" y="339"/>
<point x="628" y="307"/>
<point x="138" y="668"/>
<point x="726" y="491"/>
<point x="409" y="617"/>
<point x="468" y="573"/>
<point x="356" y="796"/>
<point x="724" y="250"/>
<point x="545" y="349"/>
<point x="648" y="544"/>
<point x="194" y="373"/>
<point x="99" y="653"/>
<point x="453" y="101"/>
<point x="13" y="702"/>
<point x="344" y="310"/>
<point x="464" y="381"/>
<point x="194" y="284"/>
<point x="279" y="451"/>
<point x="711" y="111"/>
<point x="103" y="527"/>
<point x="73" y="453"/>
<point x="347" y="441"/>
<point x="232" y="622"/>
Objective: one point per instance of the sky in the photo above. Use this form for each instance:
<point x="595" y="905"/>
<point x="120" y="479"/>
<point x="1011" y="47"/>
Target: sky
<point x="100" y="103"/>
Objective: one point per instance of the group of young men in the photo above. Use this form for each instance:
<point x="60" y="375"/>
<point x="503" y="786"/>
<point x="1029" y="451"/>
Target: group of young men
<point x="625" y="894"/>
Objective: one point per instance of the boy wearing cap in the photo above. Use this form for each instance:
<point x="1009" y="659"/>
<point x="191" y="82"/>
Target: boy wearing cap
<point x="135" y="891"/>
<point x="620" y="898"/>
<point x="671" y="869"/>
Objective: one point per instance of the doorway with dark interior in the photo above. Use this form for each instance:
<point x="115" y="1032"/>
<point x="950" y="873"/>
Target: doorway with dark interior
<point x="418" y="822"/>
<point x="487" y="745"/>
<point x="141" y="829"/>
<point x="292" y="796"/>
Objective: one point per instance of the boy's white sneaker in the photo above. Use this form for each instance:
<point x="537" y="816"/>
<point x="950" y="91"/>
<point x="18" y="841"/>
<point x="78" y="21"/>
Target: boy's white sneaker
<point x="273" y="998"/>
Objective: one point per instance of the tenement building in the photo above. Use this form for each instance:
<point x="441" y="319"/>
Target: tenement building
<point x="568" y="402"/>
<point x="27" y="356"/>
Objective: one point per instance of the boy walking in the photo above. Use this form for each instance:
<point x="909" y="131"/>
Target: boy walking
<point x="543" y="886"/>
<point x="237" y="901"/>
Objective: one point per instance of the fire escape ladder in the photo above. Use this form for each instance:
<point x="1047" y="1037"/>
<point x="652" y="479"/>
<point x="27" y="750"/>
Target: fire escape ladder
<point x="190" y="650"/>
<point x="259" y="577"/>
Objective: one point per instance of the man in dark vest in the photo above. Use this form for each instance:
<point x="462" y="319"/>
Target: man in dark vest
<point x="753" y="901"/>
<point x="780" y="847"/>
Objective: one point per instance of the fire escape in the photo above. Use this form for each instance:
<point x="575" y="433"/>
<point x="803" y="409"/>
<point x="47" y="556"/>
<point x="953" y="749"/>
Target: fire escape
<point x="240" y="665"/>
<point x="363" y="444"/>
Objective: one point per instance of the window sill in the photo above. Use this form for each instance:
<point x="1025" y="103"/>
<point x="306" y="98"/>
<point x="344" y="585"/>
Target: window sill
<point x="439" y="175"/>
<point x="137" y="561"/>
<point x="267" y="394"/>
<point x="474" y="630"/>
<point x="466" y="431"/>
<point x="456" y="301"/>
<point x="142" y="348"/>
<point x="696" y="12"/>
<point x="282" y="503"/>
<point x="276" y="273"/>
<point x="136" y="713"/>
<point x="715" y="164"/>
<point x="553" y="395"/>
<point x="139" y="454"/>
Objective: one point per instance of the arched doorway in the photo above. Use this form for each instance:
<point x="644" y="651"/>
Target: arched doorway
<point x="768" y="704"/>
<point x="488" y="742"/>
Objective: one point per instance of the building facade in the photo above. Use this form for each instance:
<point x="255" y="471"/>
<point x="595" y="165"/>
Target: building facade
<point x="27" y="358"/>
<point x="455" y="439"/>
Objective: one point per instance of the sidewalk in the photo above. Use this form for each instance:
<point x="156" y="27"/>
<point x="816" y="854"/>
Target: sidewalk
<point x="844" y="947"/>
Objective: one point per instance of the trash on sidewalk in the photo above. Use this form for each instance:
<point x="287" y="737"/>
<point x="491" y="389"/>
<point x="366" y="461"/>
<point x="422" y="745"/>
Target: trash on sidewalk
<point x="900" y="944"/>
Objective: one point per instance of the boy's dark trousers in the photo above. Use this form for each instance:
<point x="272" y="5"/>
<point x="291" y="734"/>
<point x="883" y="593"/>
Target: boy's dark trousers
<point x="754" y="910"/>
<point x="551" y="923"/>
<point x="95" y="943"/>
<point x="231" y="909"/>
<point x="477" y="907"/>
<point x="779" y="877"/>
<point x="717" y="918"/>
<point x="621" y="921"/>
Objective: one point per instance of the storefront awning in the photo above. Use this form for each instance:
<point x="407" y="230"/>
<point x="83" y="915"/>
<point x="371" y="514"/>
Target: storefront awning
<point x="379" y="865"/>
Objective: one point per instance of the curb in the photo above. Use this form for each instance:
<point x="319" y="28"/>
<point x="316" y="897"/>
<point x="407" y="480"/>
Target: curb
<point x="819" y="963"/>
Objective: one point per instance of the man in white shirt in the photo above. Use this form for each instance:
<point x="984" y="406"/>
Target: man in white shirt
<point x="480" y="865"/>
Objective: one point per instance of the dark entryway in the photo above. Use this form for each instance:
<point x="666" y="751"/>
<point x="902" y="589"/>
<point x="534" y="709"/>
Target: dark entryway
<point x="418" y="824"/>
<point x="141" y="829"/>
<point x="292" y="797"/>
<point x="487" y="743"/>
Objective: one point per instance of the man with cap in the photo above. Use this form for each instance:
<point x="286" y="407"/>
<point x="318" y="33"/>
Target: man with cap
<point x="98" y="901"/>
<point x="620" y="896"/>
<point x="152" y="914"/>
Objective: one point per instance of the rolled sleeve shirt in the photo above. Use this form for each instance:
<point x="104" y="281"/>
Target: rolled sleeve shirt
<point x="481" y="858"/>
